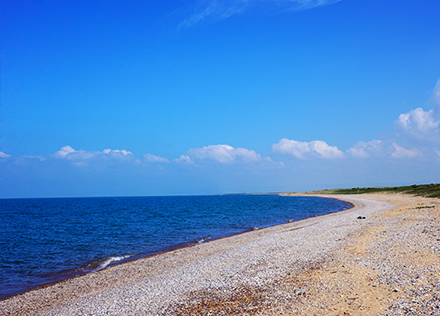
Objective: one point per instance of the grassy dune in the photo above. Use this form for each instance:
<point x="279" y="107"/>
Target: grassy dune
<point x="427" y="190"/>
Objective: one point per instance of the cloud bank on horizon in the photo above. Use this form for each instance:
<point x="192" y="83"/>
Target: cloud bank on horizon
<point x="221" y="9"/>
<point x="411" y="153"/>
<point x="417" y="135"/>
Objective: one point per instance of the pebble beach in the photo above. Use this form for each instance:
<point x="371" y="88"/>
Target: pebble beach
<point x="381" y="257"/>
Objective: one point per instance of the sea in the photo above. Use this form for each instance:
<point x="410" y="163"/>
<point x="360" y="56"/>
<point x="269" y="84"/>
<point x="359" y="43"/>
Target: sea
<point x="47" y="240"/>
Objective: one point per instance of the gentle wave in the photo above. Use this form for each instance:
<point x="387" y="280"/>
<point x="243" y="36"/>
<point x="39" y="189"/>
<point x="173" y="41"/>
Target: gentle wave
<point x="110" y="260"/>
<point x="202" y="240"/>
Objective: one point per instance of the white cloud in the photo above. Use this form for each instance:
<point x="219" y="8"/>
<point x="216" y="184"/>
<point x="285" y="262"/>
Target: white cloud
<point x="184" y="159"/>
<point x="64" y="151"/>
<point x="224" y="154"/>
<point x="292" y="147"/>
<point x="69" y="153"/>
<point x="222" y="9"/>
<point x="420" y="124"/>
<point x="3" y="155"/>
<point x="153" y="158"/>
<point x="200" y="13"/>
<point x="364" y="149"/>
<point x="325" y="150"/>
<point x="401" y="152"/>
<point x="117" y="152"/>
<point x="302" y="149"/>
<point x="418" y="121"/>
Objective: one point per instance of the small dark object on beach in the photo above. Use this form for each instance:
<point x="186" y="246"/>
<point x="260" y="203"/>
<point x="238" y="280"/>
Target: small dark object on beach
<point x="361" y="217"/>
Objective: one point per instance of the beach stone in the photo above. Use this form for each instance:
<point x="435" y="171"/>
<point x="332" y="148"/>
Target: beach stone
<point x="326" y="265"/>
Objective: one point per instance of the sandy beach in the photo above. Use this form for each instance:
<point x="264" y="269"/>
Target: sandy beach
<point x="336" y="264"/>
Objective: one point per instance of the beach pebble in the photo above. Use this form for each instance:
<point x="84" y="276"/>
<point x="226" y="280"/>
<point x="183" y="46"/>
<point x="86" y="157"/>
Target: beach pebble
<point x="327" y="265"/>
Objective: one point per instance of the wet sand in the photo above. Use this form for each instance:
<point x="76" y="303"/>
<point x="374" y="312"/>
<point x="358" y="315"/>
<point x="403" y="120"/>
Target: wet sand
<point x="336" y="264"/>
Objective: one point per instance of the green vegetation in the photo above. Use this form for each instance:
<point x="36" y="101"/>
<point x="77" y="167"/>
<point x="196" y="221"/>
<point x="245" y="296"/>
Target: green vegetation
<point x="428" y="190"/>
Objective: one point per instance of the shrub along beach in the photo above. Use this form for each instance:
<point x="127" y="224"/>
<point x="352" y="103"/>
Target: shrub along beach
<point x="381" y="257"/>
<point x="427" y="190"/>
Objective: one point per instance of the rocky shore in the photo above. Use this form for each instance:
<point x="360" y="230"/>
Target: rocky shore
<point x="336" y="264"/>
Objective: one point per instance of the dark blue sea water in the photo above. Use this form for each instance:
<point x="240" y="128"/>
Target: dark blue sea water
<point x="47" y="240"/>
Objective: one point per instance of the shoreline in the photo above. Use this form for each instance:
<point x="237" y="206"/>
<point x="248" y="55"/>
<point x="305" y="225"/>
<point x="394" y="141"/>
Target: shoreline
<point x="73" y="273"/>
<point x="249" y="264"/>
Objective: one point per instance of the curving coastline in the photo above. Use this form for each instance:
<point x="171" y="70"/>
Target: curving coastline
<point x="333" y="261"/>
<point x="178" y="222"/>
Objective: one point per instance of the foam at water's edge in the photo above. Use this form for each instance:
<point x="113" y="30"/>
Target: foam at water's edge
<point x="107" y="261"/>
<point x="202" y="240"/>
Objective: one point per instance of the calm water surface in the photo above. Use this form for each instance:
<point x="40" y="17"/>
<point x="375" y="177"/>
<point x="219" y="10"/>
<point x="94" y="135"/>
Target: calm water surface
<point x="47" y="240"/>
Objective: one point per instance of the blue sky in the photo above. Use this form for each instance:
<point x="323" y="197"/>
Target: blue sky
<point x="214" y="96"/>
